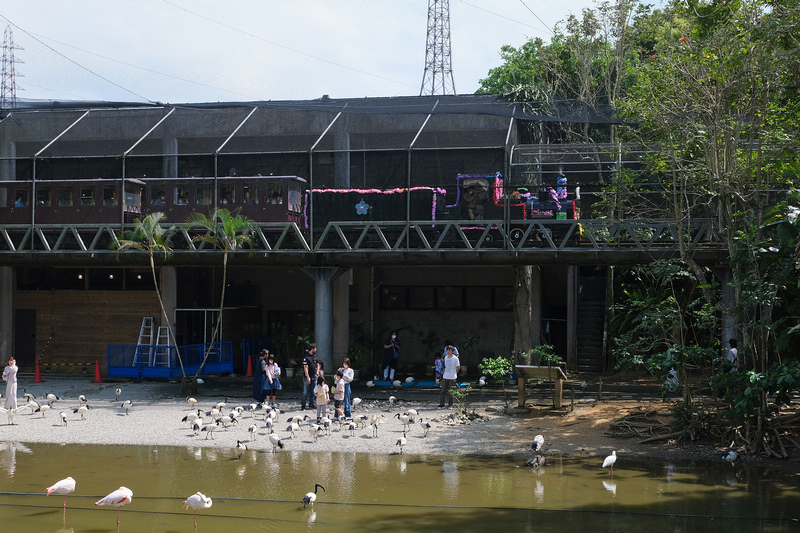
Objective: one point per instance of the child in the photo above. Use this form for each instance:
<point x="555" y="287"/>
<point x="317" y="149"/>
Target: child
<point x="321" y="396"/>
<point x="338" y="395"/>
<point x="272" y="383"/>
<point x="438" y="367"/>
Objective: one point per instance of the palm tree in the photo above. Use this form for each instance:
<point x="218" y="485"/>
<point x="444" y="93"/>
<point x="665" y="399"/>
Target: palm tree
<point x="150" y="236"/>
<point x="229" y="232"/>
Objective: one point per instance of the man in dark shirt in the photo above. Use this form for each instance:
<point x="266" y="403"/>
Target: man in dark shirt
<point x="310" y="369"/>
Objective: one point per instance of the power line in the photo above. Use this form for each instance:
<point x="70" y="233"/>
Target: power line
<point x="23" y="30"/>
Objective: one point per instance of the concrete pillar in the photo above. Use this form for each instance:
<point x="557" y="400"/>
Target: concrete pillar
<point x="323" y="311"/>
<point x="573" y="275"/>
<point x="366" y="311"/>
<point x="169" y="294"/>
<point x="341" y="320"/>
<point x="536" y="304"/>
<point x="6" y="314"/>
<point x="169" y="163"/>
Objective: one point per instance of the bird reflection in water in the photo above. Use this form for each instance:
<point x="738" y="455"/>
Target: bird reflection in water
<point x="9" y="457"/>
<point x="611" y="487"/>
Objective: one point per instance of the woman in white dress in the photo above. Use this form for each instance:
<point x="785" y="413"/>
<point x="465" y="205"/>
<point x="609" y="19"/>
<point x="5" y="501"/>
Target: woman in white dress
<point x="10" y="377"/>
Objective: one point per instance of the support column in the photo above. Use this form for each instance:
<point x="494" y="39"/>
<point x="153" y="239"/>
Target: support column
<point x="169" y="294"/>
<point x="341" y="320"/>
<point x="536" y="304"/>
<point x="6" y="313"/>
<point x="573" y="275"/>
<point x="323" y="311"/>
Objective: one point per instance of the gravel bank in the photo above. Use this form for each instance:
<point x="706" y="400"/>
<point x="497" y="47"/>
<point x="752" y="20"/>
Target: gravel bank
<point x="154" y="418"/>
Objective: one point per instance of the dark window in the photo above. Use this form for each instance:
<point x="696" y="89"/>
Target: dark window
<point x="393" y="298"/>
<point x="479" y="297"/>
<point x="450" y="298"/>
<point x="421" y="297"/>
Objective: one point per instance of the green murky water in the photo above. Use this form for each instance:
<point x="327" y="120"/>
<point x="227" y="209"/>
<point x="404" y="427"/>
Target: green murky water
<point x="261" y="491"/>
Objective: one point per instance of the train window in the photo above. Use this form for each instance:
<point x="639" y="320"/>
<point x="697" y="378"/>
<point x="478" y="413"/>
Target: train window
<point x="20" y="198"/>
<point x="203" y="195"/>
<point x="275" y="193"/>
<point x="43" y="196"/>
<point x="87" y="196"/>
<point x="109" y="196"/>
<point x="65" y="196"/>
<point x="157" y="195"/>
<point x="181" y="196"/>
<point x="250" y="195"/>
<point x="227" y="195"/>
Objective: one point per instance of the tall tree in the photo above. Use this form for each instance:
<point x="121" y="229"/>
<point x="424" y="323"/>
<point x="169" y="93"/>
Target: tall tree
<point x="228" y="232"/>
<point x="151" y="237"/>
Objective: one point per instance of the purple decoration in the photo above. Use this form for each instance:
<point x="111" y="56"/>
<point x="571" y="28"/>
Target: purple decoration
<point x="362" y="207"/>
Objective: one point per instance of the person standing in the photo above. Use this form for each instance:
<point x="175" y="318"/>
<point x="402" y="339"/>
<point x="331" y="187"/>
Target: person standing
<point x="272" y="382"/>
<point x="321" y="397"/>
<point x="310" y="369"/>
<point x="347" y="378"/>
<point x="10" y="377"/>
<point x="258" y="376"/>
<point x="391" y="353"/>
<point x="338" y="395"/>
<point x="451" y="368"/>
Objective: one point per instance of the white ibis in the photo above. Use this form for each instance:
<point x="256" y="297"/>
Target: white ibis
<point x="731" y="457"/>
<point x="410" y="380"/>
<point x="196" y="501"/>
<point x="401" y="442"/>
<point x="609" y="462"/>
<point x="83" y="410"/>
<point x="192" y="404"/>
<point x="406" y="420"/>
<point x="65" y="486"/>
<point x="354" y="402"/>
<point x="482" y="381"/>
<point x="42" y="409"/>
<point x="268" y="424"/>
<point x="241" y="446"/>
<point x="370" y="384"/>
<point x="538" y="442"/>
<point x="118" y="498"/>
<point x="63" y="416"/>
<point x="311" y="497"/>
<point x="396" y="383"/>
<point x="210" y="429"/>
<point x="392" y="401"/>
<point x="426" y="427"/>
<point x="192" y="417"/>
<point x="82" y="399"/>
<point x="50" y="397"/>
<point x="294" y="426"/>
<point x="253" y="430"/>
<point x="10" y="413"/>
<point x="351" y="427"/>
<point x="117" y="394"/>
<point x="28" y="396"/>
<point x="127" y="405"/>
<point x="276" y="442"/>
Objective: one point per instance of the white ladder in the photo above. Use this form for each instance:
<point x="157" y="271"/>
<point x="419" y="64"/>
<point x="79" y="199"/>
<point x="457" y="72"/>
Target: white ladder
<point x="160" y="357"/>
<point x="144" y="350"/>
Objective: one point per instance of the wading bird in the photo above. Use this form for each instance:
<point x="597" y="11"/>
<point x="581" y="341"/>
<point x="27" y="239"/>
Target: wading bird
<point x="538" y="442"/>
<point x="196" y="501"/>
<point x="276" y="442"/>
<point x="311" y="497"/>
<point x="401" y="442"/>
<point x="118" y="498"/>
<point x="609" y="462"/>
<point x="65" y="486"/>
<point x="127" y="405"/>
<point x="117" y="394"/>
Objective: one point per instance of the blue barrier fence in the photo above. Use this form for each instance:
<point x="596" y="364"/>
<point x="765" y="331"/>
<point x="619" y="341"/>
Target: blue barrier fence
<point x="161" y="361"/>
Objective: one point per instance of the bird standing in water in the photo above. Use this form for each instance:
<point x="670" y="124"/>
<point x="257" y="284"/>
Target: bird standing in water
<point x="118" y="498"/>
<point x="65" y="486"/>
<point x="311" y="497"/>
<point x="609" y="462"/>
<point x="196" y="501"/>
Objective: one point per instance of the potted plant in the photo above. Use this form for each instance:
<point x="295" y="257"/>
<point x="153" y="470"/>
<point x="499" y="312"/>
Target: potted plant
<point x="468" y="345"/>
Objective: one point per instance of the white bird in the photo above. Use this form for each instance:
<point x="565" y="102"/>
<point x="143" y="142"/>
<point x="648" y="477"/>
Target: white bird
<point x="83" y="410"/>
<point x="191" y="418"/>
<point x="42" y="409"/>
<point x="370" y="384"/>
<point x="253" y="430"/>
<point x="196" y="501"/>
<point x="401" y="442"/>
<point x="351" y="427"/>
<point x="482" y="381"/>
<point x="82" y="399"/>
<point x="51" y="397"/>
<point x="609" y="462"/>
<point x="311" y="497"/>
<point x="412" y="413"/>
<point x="294" y="426"/>
<point x="406" y="420"/>
<point x="192" y="403"/>
<point x="241" y="446"/>
<point x="28" y="396"/>
<point x="65" y="486"/>
<point x="410" y="380"/>
<point x="354" y="402"/>
<point x="117" y="394"/>
<point x="197" y="426"/>
<point x="426" y="426"/>
<point x="118" y="498"/>
<point x="610" y="486"/>
<point x="538" y="442"/>
<point x="731" y="457"/>
<point x="63" y="416"/>
<point x="396" y="383"/>
<point x="221" y="405"/>
<point x="209" y="429"/>
<point x="276" y="442"/>
<point x="392" y="401"/>
<point x="200" y="381"/>
<point x="127" y="405"/>
<point x="268" y="424"/>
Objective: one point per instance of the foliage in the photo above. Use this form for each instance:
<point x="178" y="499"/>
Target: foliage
<point x="151" y="237"/>
<point x="544" y="354"/>
<point x="469" y="343"/>
<point x="228" y="232"/>
<point x="460" y="396"/>
<point x="497" y="368"/>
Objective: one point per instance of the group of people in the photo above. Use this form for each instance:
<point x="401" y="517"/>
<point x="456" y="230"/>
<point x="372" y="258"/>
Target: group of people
<point x="316" y="393"/>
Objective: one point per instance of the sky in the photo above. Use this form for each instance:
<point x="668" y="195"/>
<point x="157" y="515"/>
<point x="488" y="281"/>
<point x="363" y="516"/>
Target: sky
<point x="181" y="51"/>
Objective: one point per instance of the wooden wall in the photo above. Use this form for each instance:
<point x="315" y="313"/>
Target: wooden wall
<point x="78" y="326"/>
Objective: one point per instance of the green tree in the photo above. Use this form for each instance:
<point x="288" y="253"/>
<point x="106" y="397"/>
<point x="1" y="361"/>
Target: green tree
<point x="151" y="237"/>
<point x="228" y="232"/>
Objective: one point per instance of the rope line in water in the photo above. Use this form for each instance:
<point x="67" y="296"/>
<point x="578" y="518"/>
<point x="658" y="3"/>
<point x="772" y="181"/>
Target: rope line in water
<point x="398" y="505"/>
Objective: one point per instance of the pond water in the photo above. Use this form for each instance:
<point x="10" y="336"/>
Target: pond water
<point x="262" y="491"/>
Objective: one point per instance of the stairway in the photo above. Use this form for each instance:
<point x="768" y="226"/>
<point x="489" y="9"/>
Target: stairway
<point x="591" y="320"/>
